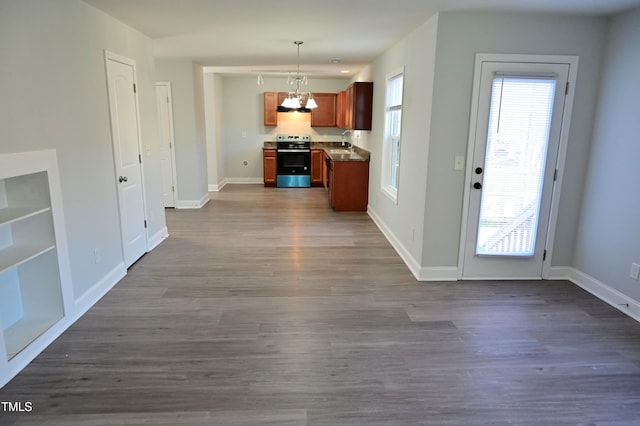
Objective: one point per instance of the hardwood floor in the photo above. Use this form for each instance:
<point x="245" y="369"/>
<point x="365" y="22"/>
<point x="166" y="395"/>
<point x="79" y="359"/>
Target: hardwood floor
<point x="266" y="307"/>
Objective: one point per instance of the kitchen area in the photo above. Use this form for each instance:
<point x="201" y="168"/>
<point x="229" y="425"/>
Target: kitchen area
<point x="298" y="160"/>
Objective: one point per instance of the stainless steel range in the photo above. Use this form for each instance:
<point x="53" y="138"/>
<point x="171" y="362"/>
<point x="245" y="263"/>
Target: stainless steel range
<point x="293" y="155"/>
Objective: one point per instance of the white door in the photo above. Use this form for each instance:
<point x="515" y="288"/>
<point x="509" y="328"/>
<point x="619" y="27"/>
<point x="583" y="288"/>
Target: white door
<point x="125" y="133"/>
<point x="167" y="158"/>
<point x="513" y="168"/>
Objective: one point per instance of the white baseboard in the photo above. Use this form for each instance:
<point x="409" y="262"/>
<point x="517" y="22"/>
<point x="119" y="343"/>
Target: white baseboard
<point x="412" y="264"/>
<point x="97" y="291"/>
<point x="157" y="238"/>
<point x="421" y="273"/>
<point x="218" y="187"/>
<point x="438" y="273"/>
<point x="244" y="181"/>
<point x="559" y="273"/>
<point x="193" y="204"/>
<point x="606" y="293"/>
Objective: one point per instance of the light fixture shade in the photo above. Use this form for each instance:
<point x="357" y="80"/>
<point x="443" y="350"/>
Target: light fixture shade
<point x="311" y="103"/>
<point x="291" y="102"/>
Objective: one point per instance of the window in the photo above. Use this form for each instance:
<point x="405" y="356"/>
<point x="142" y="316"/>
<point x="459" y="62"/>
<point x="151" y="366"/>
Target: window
<point x="392" y="134"/>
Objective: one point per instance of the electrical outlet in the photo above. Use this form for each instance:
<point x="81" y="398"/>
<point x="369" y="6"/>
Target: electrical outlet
<point x="458" y="162"/>
<point x="634" y="272"/>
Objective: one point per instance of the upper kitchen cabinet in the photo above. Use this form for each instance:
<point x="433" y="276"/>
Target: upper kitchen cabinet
<point x="359" y="105"/>
<point x="341" y="116"/>
<point x="325" y="114"/>
<point x="271" y="108"/>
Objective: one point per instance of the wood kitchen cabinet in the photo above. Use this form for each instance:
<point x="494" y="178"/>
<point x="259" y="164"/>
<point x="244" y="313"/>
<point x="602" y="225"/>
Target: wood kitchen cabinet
<point x="271" y="108"/>
<point x="341" y="110"/>
<point x="317" y="163"/>
<point x="325" y="172"/>
<point x="359" y="106"/>
<point x="348" y="183"/>
<point x="325" y="114"/>
<point x="271" y="101"/>
<point x="270" y="167"/>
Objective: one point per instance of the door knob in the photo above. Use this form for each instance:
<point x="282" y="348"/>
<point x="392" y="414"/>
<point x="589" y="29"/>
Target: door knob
<point x="478" y="170"/>
<point x="477" y="185"/>
<point x="122" y="179"/>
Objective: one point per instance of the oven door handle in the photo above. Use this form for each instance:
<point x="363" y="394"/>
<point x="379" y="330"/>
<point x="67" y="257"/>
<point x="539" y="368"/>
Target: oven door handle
<point x="294" y="150"/>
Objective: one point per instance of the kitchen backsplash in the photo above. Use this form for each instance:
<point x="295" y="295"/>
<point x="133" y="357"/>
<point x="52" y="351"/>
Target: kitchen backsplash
<point x="298" y="123"/>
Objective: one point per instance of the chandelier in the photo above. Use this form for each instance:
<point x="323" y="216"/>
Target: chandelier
<point x="294" y="98"/>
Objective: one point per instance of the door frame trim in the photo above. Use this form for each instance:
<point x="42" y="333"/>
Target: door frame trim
<point x="173" y="142"/>
<point x="131" y="62"/>
<point x="572" y="61"/>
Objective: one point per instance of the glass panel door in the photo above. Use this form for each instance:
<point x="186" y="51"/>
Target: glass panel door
<point x="516" y="140"/>
<point x="519" y="123"/>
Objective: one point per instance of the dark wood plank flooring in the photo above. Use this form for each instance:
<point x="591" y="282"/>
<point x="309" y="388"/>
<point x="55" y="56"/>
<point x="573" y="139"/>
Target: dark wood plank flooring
<point x="266" y="307"/>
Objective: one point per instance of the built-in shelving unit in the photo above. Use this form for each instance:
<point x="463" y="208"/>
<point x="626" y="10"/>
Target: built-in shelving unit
<point x="33" y="285"/>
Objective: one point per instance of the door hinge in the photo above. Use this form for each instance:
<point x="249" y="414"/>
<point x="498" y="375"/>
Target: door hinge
<point x="145" y="224"/>
<point x="140" y="158"/>
<point x="167" y="99"/>
<point x="555" y="175"/>
<point x="134" y="88"/>
<point x="544" y="256"/>
<point x="566" y="89"/>
<point x="173" y="189"/>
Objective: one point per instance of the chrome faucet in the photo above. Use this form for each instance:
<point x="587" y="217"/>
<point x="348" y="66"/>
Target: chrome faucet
<point x="343" y="141"/>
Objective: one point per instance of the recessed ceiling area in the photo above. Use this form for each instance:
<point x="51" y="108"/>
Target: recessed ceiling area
<point x="256" y="36"/>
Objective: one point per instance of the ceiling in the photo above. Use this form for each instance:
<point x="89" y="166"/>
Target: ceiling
<point x="256" y="36"/>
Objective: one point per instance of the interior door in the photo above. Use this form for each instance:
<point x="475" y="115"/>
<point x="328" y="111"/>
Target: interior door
<point x="517" y="138"/>
<point x="167" y="158"/>
<point x="126" y="147"/>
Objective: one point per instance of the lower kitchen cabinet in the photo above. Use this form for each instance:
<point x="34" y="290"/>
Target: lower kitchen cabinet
<point x="270" y="167"/>
<point x="348" y="183"/>
<point x="317" y="164"/>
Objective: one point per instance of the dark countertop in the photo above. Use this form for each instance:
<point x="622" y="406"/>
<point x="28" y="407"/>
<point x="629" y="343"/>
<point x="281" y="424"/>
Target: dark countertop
<point x="334" y="150"/>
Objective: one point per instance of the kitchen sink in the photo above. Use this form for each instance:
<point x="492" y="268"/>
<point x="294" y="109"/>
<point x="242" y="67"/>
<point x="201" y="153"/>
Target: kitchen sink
<point x="340" y="151"/>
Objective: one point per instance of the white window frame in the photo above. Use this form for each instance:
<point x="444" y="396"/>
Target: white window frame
<point x="387" y="186"/>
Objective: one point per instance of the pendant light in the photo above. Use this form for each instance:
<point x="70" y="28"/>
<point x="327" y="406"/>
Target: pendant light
<point x="294" y="98"/>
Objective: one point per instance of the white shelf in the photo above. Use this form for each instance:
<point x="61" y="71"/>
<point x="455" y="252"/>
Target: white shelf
<point x="35" y="275"/>
<point x="21" y="334"/>
<point x="17" y="255"/>
<point x="13" y="214"/>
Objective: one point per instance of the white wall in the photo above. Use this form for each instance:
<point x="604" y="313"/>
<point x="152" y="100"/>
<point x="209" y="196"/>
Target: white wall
<point x="242" y="114"/>
<point x="213" y="120"/>
<point x="608" y="238"/>
<point x="403" y="222"/>
<point x="54" y="95"/>
<point x="460" y="36"/>
<point x="439" y="60"/>
<point x="187" y="90"/>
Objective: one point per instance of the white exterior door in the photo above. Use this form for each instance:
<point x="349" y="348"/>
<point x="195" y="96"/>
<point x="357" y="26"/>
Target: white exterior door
<point x="125" y="132"/>
<point x="167" y="158"/>
<point x="513" y="168"/>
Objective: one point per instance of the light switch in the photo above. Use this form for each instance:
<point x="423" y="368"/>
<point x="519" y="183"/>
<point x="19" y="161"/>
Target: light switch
<point x="458" y="163"/>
